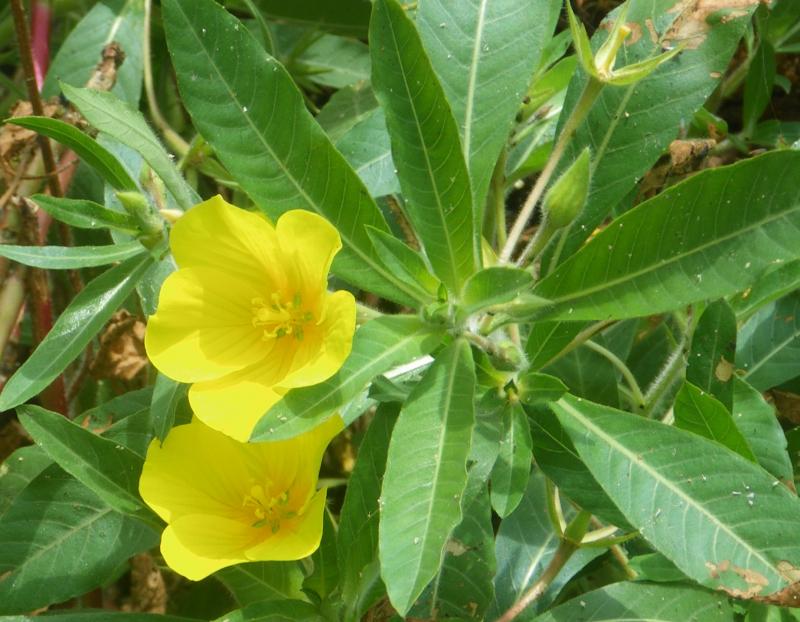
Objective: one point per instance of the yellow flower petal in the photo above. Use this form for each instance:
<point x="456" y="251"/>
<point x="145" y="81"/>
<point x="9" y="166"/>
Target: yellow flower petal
<point x="336" y="332"/>
<point x="216" y="234"/>
<point x="199" y="545"/>
<point x="234" y="404"/>
<point x="311" y="241"/>
<point x="203" y="328"/>
<point x="196" y="470"/>
<point x="297" y="538"/>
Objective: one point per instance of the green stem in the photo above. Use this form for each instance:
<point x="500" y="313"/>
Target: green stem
<point x="612" y="358"/>
<point x="669" y="375"/>
<point x="499" y="199"/>
<point x="576" y="117"/>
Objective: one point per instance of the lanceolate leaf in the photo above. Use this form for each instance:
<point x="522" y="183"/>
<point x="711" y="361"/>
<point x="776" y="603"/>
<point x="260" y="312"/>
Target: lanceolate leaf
<point x="348" y="17"/>
<point x="642" y="602"/>
<point x="756" y="419"/>
<point x="378" y="346"/>
<point x="59" y="540"/>
<point x="116" y="118"/>
<point x="367" y="148"/>
<point x="776" y="283"/>
<point x="248" y="108"/>
<point x="700" y="413"/>
<point x="425" y="145"/>
<point x="485" y="52"/>
<point x="121" y="21"/>
<point x="711" y="359"/>
<point x="85" y="214"/>
<point x="252" y="583"/>
<point x="706" y="238"/>
<point x="70" y="257"/>
<point x="75" y="327"/>
<point x="721" y="519"/>
<point x="769" y="344"/>
<point x="426" y="474"/>
<point x="513" y="465"/>
<point x="108" y="469"/>
<point x="95" y="155"/>
<point x="630" y="127"/>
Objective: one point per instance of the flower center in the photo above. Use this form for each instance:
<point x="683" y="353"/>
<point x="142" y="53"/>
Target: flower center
<point x="268" y="510"/>
<point x="279" y="318"/>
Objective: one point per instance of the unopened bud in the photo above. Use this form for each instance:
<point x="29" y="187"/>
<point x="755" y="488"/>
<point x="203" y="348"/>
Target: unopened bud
<point x="137" y="206"/>
<point x="567" y="196"/>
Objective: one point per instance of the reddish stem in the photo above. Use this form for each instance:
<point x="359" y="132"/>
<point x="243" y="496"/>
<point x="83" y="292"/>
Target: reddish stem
<point x="40" y="39"/>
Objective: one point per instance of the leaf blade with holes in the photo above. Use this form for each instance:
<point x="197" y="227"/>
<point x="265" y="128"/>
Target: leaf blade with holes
<point x="715" y="515"/>
<point x="705" y="238"/>
<point x="265" y="136"/>
<point x="426" y="147"/>
<point x="378" y="346"/>
<point x="75" y="327"/>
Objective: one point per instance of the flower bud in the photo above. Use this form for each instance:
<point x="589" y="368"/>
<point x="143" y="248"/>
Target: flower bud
<point x="137" y="206"/>
<point x="566" y="197"/>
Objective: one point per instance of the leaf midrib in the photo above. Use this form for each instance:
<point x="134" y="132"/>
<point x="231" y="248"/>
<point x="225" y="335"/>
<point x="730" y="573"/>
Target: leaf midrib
<point x="660" y="264"/>
<point x="352" y="247"/>
<point x="634" y="461"/>
<point x="473" y="79"/>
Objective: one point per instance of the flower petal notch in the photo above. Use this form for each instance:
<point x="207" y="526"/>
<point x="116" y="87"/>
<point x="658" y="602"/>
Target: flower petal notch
<point x="227" y="502"/>
<point x="247" y="315"/>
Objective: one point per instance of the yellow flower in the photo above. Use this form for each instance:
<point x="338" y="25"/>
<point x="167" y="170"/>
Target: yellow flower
<point x="247" y="316"/>
<point x="227" y="502"/>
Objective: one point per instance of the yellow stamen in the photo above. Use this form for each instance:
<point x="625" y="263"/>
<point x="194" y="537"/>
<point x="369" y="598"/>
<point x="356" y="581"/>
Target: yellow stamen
<point x="280" y="318"/>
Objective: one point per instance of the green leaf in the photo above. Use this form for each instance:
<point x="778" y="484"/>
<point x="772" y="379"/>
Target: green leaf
<point x="513" y="466"/>
<point x="655" y="567"/>
<point x="59" y="540"/>
<point x="347" y="108"/>
<point x="405" y="263"/>
<point x="379" y="345"/>
<point x="335" y="61"/>
<point x="630" y="127"/>
<point x="555" y="454"/>
<point x="711" y="358"/>
<point x="769" y="344"/>
<point x="263" y="133"/>
<point x="548" y="339"/>
<point x="426" y="474"/>
<point x="347" y="17"/>
<point x="702" y="414"/>
<point x="168" y="397"/>
<point x="642" y="602"/>
<point x="96" y="156"/>
<point x="494" y="286"/>
<point x="357" y="539"/>
<point x="274" y="611"/>
<point x="118" y="119"/>
<point x="425" y="146"/>
<point x="463" y="587"/>
<point x="85" y="214"/>
<point x="259" y="581"/>
<point x="73" y="330"/>
<point x="586" y="373"/>
<point x="324" y="577"/>
<point x="775" y="284"/>
<point x="756" y="419"/>
<point x="743" y="218"/>
<point x="525" y="545"/>
<point x="108" y="469"/>
<point x="758" y="84"/>
<point x="121" y="21"/>
<point x="96" y="615"/>
<point x="366" y="146"/>
<point x="717" y="516"/>
<point x="485" y="52"/>
<point x="536" y="388"/>
<point x="70" y="257"/>
<point x="17" y="471"/>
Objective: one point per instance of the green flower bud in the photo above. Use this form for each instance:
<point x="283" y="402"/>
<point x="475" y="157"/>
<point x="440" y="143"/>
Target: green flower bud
<point x="566" y="197"/>
<point x="136" y="205"/>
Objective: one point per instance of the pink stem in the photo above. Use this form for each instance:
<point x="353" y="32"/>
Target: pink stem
<point x="40" y="38"/>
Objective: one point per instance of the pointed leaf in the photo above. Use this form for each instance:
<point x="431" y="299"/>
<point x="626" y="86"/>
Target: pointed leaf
<point x="712" y="355"/>
<point x="265" y="136"/>
<point x="71" y="257"/>
<point x="485" y="52"/>
<point x="425" y="146"/>
<point x="426" y="473"/>
<point x="366" y="146"/>
<point x="494" y="286"/>
<point x="108" y="469"/>
<point x="405" y="263"/>
<point x="717" y="516"/>
<point x="513" y="466"/>
<point x="85" y="214"/>
<point x="378" y="346"/>
<point x="256" y="582"/>
<point x="743" y="218"/>
<point x="75" y="327"/>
